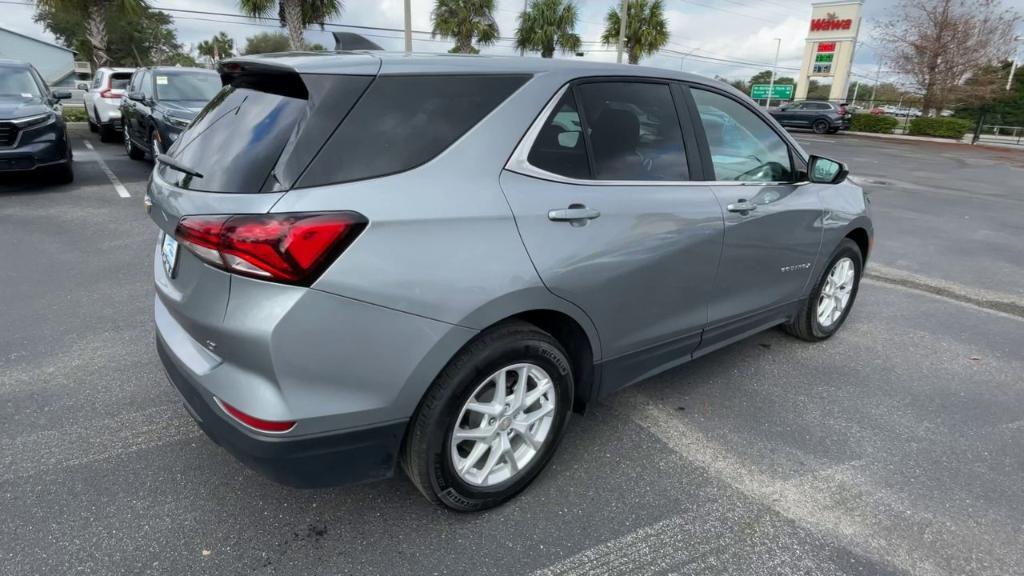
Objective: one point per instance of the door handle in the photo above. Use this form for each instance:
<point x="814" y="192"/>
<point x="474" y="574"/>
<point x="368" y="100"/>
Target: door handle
<point x="741" y="206"/>
<point x="575" y="214"/>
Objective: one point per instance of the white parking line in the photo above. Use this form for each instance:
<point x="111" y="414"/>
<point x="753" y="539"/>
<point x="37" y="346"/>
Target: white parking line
<point x="804" y="138"/>
<point x="121" y="190"/>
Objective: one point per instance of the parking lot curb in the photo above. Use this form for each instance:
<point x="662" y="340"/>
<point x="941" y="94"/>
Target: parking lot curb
<point x="987" y="299"/>
<point x="904" y="137"/>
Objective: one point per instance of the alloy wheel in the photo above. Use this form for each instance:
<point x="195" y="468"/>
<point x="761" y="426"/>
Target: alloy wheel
<point x="154" y="146"/>
<point x="835" y="293"/>
<point x="503" y="425"/>
<point x="127" y="144"/>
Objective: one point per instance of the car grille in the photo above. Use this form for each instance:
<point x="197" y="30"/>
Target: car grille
<point x="8" y="134"/>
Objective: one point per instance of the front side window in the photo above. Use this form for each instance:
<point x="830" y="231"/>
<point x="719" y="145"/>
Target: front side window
<point x="146" y="85"/>
<point x="634" y="131"/>
<point x="743" y="147"/>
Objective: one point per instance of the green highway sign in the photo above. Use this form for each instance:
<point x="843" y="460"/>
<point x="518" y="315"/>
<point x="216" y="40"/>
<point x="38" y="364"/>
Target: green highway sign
<point x="779" y="91"/>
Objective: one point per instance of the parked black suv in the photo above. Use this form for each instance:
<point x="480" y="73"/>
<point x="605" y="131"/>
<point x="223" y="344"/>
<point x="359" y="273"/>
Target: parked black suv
<point x="821" y="117"/>
<point x="33" y="135"/>
<point x="161" y="102"/>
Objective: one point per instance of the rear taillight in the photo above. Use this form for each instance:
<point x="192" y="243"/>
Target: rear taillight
<point x="108" y="93"/>
<point x="272" y="426"/>
<point x="290" y="248"/>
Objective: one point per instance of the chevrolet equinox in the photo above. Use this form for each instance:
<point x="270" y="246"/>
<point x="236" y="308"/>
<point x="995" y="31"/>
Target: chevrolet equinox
<point x="370" y="260"/>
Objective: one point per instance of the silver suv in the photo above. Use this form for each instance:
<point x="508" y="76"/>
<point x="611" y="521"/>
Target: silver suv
<point x="367" y="260"/>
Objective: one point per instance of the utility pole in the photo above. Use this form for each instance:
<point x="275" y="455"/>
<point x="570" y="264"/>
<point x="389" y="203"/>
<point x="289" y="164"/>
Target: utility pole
<point x="525" y="8"/>
<point x="874" y="88"/>
<point x="622" y="29"/>
<point x="771" y="85"/>
<point x="408" y="26"/>
<point x="855" y="90"/>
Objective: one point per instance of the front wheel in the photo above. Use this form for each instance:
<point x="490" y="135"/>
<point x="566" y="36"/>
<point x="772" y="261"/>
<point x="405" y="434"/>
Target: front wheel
<point x="491" y="420"/>
<point x="129" y="147"/>
<point x="832" y="297"/>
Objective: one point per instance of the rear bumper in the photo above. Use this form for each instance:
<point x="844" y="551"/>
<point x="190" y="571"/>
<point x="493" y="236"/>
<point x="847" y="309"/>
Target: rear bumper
<point x="305" y="462"/>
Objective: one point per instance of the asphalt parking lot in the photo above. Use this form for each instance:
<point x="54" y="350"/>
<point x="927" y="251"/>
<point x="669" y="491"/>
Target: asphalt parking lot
<point x="896" y="447"/>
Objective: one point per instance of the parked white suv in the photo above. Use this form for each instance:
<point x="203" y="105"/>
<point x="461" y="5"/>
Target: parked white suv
<point x="103" y="101"/>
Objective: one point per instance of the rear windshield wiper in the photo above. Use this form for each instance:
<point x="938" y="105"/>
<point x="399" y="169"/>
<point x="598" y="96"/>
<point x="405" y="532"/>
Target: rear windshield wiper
<point x="175" y="165"/>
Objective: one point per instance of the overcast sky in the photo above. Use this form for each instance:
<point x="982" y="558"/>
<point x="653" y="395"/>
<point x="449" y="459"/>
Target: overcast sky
<point x="724" y="29"/>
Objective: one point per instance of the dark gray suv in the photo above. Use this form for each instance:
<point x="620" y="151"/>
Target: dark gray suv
<point x="819" y="116"/>
<point x="368" y="260"/>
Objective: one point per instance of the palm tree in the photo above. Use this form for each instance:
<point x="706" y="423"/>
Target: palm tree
<point x="218" y="47"/>
<point x="294" y="14"/>
<point x="463" y="20"/>
<point x="646" y="28"/>
<point x="96" y="14"/>
<point x="547" y="23"/>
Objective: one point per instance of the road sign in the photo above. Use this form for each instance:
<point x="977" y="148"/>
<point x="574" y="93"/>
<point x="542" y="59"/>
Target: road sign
<point x="779" y="91"/>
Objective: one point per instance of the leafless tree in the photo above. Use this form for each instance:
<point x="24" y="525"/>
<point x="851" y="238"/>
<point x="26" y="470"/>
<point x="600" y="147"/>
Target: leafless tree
<point x="937" y="44"/>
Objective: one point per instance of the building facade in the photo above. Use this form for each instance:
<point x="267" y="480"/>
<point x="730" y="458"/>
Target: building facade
<point x="55" y="63"/>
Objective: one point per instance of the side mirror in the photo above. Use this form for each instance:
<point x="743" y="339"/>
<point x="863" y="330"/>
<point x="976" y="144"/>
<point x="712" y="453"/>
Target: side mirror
<point x="83" y="86"/>
<point x="62" y="95"/>
<point x="136" y="96"/>
<point x="826" y="171"/>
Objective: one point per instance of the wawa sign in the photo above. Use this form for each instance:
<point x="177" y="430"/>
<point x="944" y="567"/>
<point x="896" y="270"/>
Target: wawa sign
<point x="830" y="23"/>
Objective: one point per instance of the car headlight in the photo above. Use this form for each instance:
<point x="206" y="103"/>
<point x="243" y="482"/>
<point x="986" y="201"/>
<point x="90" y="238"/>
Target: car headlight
<point x="178" y="122"/>
<point x="34" y="121"/>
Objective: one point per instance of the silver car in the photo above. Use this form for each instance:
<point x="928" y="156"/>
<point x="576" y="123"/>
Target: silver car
<point x="368" y="260"/>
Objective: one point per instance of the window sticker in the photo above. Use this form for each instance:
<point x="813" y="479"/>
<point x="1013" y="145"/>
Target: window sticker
<point x="161" y="80"/>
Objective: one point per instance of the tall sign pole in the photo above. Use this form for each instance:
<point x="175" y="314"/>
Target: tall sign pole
<point x="408" y="26"/>
<point x="622" y="30"/>
<point x="775" y="66"/>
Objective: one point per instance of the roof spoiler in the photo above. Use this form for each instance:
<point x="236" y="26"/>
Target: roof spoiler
<point x="353" y="41"/>
<point x="263" y="75"/>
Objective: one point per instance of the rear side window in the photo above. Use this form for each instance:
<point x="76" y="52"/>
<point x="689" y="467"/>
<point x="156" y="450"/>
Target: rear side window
<point x="235" y="141"/>
<point x="402" y="122"/>
<point x="634" y="131"/>
<point x="559" y="147"/>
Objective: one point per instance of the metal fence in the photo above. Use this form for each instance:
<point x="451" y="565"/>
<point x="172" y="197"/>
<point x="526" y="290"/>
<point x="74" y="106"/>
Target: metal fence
<point x="1001" y="134"/>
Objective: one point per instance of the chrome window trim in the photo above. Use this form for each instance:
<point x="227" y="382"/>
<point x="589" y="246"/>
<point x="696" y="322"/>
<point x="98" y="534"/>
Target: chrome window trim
<point x="519" y="162"/>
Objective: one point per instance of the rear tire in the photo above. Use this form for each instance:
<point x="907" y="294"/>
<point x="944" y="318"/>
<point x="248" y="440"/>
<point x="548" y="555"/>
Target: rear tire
<point x="107" y="133"/>
<point x="820" y="126"/>
<point x="512" y="353"/>
<point x="807" y="325"/>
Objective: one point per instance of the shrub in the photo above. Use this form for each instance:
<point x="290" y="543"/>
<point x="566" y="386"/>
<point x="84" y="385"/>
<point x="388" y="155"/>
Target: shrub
<point x="873" y="123"/>
<point x="941" y="127"/>
<point x="72" y="114"/>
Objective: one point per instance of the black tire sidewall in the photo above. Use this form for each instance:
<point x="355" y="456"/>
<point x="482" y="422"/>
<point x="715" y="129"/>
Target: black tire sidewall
<point x="817" y="124"/>
<point x="846" y="249"/>
<point x="445" y="482"/>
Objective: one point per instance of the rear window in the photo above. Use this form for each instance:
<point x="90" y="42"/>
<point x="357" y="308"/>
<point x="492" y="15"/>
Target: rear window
<point x="404" y="121"/>
<point x="235" y="141"/>
<point x="119" y="81"/>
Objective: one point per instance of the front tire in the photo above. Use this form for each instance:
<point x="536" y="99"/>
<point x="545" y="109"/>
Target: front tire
<point x="832" y="298"/>
<point x="491" y="420"/>
<point x="130" y="149"/>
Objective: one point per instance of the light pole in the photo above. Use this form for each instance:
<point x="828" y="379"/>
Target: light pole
<point x="408" y="26"/>
<point x="622" y="30"/>
<point x="874" y="88"/>
<point x="1013" y="67"/>
<point x="771" y="85"/>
